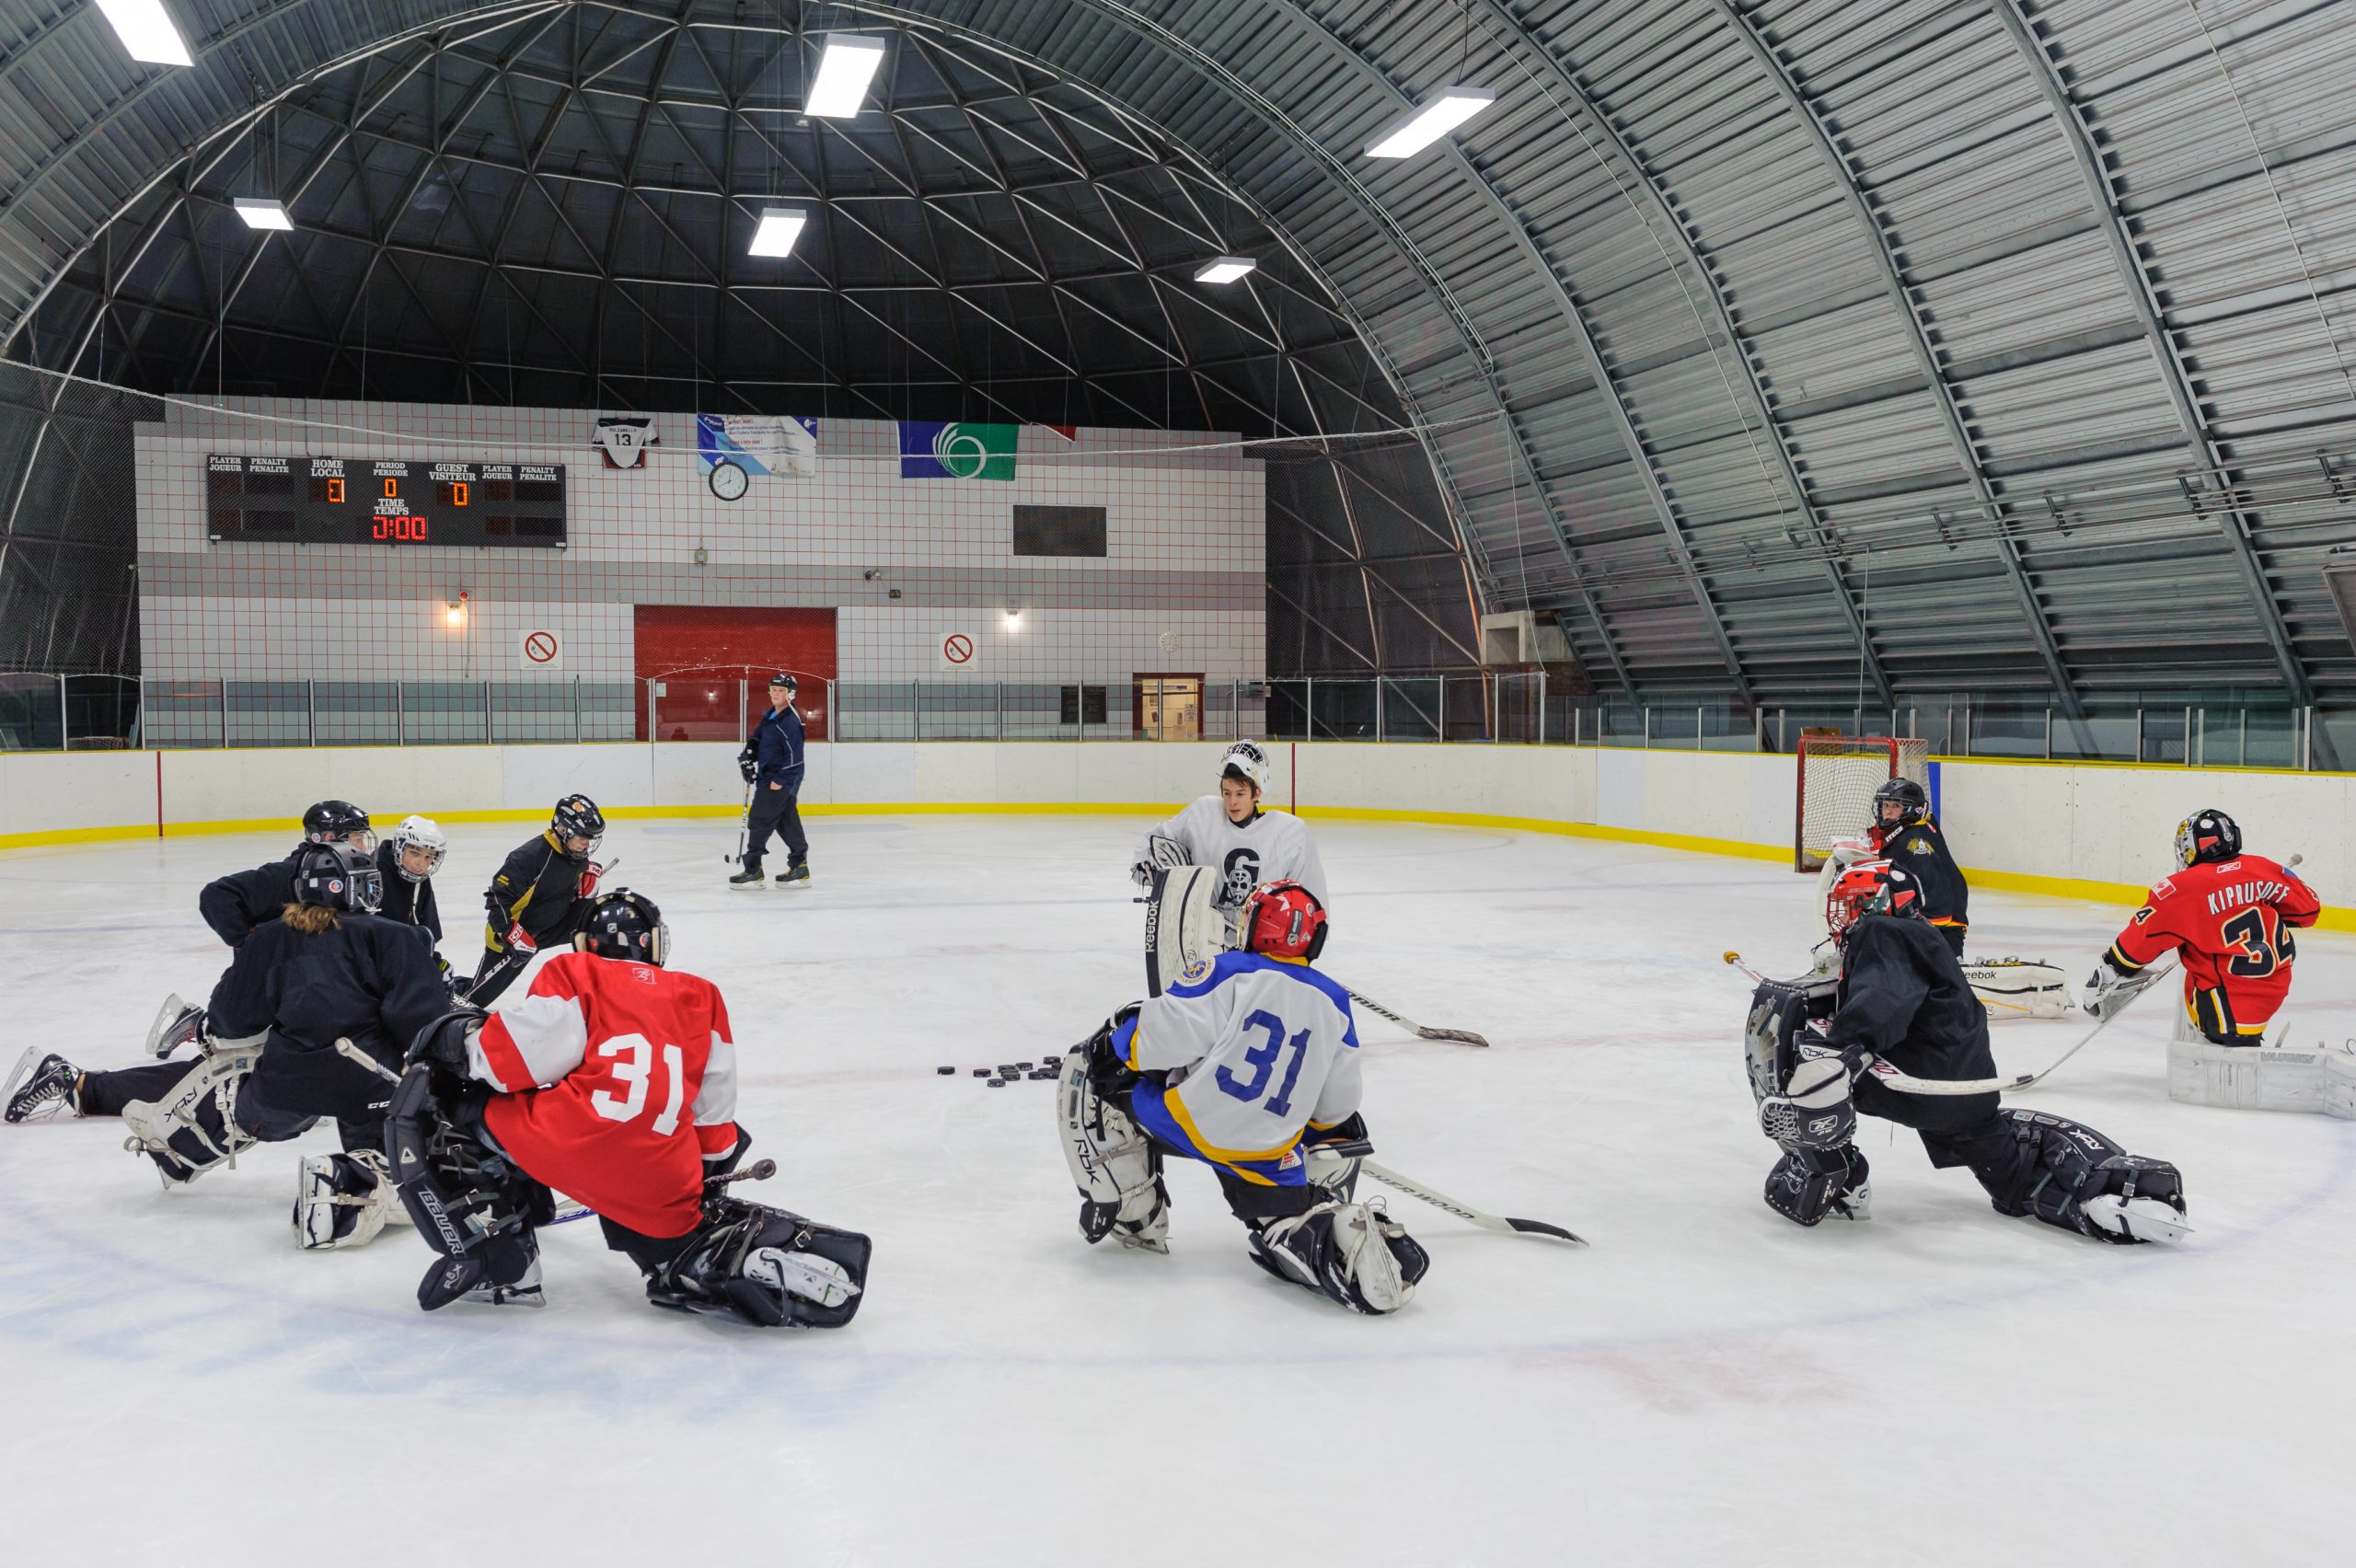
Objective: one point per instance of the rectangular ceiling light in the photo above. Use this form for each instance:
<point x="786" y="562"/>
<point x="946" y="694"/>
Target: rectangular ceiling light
<point x="1434" y="118"/>
<point x="844" y="72"/>
<point x="146" y="31"/>
<point x="1223" y="269"/>
<point x="262" y="212"/>
<point x="780" y="226"/>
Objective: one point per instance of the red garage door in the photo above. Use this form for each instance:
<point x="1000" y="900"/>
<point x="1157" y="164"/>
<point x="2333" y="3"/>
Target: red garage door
<point x="706" y="655"/>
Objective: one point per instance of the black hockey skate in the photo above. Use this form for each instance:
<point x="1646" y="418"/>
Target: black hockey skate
<point x="39" y="1086"/>
<point x="749" y="877"/>
<point x="796" y="872"/>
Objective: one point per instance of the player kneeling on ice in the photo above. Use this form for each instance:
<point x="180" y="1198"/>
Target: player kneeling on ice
<point x="1900" y="999"/>
<point x="615" y="1080"/>
<point x="1233" y="1066"/>
<point x="326" y="980"/>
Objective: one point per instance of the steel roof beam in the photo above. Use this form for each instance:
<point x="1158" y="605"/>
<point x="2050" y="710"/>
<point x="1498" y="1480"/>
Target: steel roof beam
<point x="2137" y="283"/>
<point x="1902" y="296"/>
<point x="1722" y="310"/>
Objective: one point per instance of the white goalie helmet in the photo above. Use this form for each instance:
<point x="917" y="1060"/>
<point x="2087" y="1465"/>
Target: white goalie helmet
<point x="419" y="833"/>
<point x="1247" y="762"/>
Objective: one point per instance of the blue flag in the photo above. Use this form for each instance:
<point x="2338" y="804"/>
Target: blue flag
<point x="930" y="450"/>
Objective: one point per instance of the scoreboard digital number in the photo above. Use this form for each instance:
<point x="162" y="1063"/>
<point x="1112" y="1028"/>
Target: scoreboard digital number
<point x="383" y="501"/>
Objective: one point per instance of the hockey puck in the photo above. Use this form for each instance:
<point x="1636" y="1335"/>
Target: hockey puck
<point x="945" y="1072"/>
<point x="1008" y="1070"/>
<point x="997" y="1083"/>
<point x="1025" y="1067"/>
<point x="1039" y="1077"/>
<point x="981" y="1072"/>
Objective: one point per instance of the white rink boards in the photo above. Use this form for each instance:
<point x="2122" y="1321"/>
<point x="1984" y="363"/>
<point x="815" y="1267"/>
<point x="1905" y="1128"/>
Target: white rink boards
<point x="1706" y="1383"/>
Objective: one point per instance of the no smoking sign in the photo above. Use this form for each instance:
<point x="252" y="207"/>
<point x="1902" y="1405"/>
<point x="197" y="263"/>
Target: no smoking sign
<point x="540" y="650"/>
<point x="957" y="649"/>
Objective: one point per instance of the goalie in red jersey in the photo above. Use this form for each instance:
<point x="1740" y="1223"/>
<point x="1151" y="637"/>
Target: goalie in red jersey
<point x="613" y="1079"/>
<point x="2229" y="917"/>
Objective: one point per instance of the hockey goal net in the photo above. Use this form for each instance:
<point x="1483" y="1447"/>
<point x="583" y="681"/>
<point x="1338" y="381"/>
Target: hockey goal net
<point x="1837" y="776"/>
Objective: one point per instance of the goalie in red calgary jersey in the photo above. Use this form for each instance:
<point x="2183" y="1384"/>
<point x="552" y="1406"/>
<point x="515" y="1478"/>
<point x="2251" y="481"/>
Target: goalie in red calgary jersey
<point x="2229" y="917"/>
<point x="613" y="1080"/>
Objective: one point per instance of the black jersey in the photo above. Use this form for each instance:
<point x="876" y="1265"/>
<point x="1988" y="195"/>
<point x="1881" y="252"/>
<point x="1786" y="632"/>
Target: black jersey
<point x="409" y="903"/>
<point x="1920" y="850"/>
<point x="1903" y="997"/>
<point x="364" y="979"/>
<point x="233" y="905"/>
<point x="540" y="889"/>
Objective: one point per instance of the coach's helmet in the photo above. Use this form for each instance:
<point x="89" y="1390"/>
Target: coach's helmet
<point x="1913" y="804"/>
<point x="1870" y="887"/>
<point x="1245" y="761"/>
<point x="2207" y="834"/>
<point x="338" y="822"/>
<point x="339" y="876"/>
<point x="1282" y="919"/>
<point x="626" y="926"/>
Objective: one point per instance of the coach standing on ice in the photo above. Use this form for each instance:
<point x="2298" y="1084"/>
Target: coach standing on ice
<point x="771" y="763"/>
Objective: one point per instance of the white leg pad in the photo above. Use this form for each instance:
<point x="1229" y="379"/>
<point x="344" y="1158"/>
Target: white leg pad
<point x="1114" y="1164"/>
<point x="2014" y="988"/>
<point x="328" y="1215"/>
<point x="2259" y="1078"/>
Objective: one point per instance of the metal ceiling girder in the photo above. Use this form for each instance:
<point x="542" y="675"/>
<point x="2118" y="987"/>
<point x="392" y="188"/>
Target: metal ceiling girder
<point x="1451" y="490"/>
<point x="1826" y="541"/>
<point x="1918" y="340"/>
<point x="1276" y="117"/>
<point x="2136" y="280"/>
<point x="1575" y="316"/>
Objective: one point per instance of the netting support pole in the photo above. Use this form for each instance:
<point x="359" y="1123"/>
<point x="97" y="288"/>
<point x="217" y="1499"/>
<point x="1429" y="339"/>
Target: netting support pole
<point x="2187" y="738"/>
<point x="486" y="713"/>
<point x="400" y="714"/>
<point x="311" y="713"/>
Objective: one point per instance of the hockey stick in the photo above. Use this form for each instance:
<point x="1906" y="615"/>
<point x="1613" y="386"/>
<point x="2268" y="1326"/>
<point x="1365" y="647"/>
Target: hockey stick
<point x="759" y="1170"/>
<point x="1505" y="1225"/>
<point x="1906" y="1083"/>
<point x="1461" y="1036"/>
<point x="743" y="826"/>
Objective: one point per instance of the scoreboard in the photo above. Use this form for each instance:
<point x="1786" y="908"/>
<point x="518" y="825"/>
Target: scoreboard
<point x="383" y="501"/>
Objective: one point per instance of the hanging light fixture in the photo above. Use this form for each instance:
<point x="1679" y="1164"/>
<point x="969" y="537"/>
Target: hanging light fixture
<point x="1224" y="269"/>
<point x="264" y="212"/>
<point x="146" y="31"/>
<point x="780" y="228"/>
<point x="1437" y="115"/>
<point x="846" y="68"/>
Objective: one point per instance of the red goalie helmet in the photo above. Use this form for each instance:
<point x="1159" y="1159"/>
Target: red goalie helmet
<point x="1870" y="887"/>
<point x="1282" y="919"/>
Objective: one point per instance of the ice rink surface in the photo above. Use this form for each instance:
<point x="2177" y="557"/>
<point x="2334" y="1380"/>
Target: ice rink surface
<point x="1705" y="1383"/>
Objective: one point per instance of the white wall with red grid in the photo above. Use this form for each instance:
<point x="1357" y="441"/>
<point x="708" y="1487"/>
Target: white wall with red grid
<point x="1180" y="589"/>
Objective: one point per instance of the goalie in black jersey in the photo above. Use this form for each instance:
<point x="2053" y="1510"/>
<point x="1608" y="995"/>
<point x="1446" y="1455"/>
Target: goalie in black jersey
<point x="1904" y="834"/>
<point x="1900" y="999"/>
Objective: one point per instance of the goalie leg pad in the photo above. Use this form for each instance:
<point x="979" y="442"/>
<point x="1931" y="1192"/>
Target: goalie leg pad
<point x="342" y="1200"/>
<point x="2014" y="988"/>
<point x="2248" y="1078"/>
<point x="768" y="1267"/>
<point x="2081" y="1180"/>
<point x="1807" y="1184"/>
<point x="472" y="1204"/>
<point x="195" y="1126"/>
<point x="1115" y="1166"/>
<point x="1353" y="1253"/>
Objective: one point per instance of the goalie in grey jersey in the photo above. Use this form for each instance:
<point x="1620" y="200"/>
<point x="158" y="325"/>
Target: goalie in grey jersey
<point x="1228" y="833"/>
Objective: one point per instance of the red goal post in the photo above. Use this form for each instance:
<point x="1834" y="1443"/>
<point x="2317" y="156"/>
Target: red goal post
<point x="1837" y="777"/>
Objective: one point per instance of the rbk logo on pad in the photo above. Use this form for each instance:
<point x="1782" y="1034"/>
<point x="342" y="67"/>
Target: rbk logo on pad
<point x="931" y="450"/>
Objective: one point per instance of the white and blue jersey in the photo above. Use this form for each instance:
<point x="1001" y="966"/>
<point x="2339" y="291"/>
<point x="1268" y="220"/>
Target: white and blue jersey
<point x="1257" y="1050"/>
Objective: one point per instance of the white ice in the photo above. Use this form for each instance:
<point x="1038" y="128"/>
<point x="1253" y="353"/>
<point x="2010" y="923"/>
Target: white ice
<point x="1705" y="1383"/>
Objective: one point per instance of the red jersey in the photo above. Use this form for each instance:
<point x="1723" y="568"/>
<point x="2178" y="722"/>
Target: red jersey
<point x="637" y="1087"/>
<point x="2230" y="922"/>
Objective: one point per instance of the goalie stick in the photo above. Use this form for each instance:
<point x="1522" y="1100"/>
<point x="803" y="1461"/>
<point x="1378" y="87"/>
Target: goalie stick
<point x="1421" y="1032"/>
<point x="1906" y="1083"/>
<point x="1503" y="1224"/>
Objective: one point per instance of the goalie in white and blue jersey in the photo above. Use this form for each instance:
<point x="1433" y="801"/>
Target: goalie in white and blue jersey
<point x="1249" y="1062"/>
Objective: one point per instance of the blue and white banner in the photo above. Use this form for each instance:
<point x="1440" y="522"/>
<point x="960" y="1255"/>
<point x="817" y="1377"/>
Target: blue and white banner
<point x="785" y="445"/>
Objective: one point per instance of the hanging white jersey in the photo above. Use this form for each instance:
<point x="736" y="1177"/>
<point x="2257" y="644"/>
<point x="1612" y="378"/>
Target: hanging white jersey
<point x="1268" y="847"/>
<point x="1257" y="1048"/>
